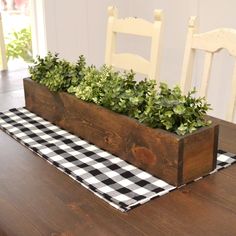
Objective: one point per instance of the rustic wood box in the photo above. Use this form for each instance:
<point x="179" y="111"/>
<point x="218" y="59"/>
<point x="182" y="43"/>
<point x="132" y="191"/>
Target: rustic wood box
<point x="175" y="159"/>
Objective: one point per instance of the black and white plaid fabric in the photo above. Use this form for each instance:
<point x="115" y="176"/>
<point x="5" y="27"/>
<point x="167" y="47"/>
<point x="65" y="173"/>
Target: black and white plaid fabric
<point x="122" y="185"/>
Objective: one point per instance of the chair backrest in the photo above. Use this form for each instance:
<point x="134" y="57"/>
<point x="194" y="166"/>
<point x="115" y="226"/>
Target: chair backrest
<point x="211" y="42"/>
<point x="134" y="26"/>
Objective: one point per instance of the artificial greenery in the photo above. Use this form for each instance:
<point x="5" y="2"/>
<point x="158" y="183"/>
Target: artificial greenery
<point x="79" y="70"/>
<point x="19" y="45"/>
<point x="57" y="74"/>
<point x="164" y="108"/>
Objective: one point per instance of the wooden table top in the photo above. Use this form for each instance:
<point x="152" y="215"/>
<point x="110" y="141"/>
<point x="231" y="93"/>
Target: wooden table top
<point x="37" y="199"/>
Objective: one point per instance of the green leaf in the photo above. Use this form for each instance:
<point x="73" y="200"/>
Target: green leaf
<point x="169" y="113"/>
<point x="19" y="45"/>
<point x="179" y="109"/>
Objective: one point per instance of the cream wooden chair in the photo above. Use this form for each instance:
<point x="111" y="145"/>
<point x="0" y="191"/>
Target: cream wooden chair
<point x="134" y="26"/>
<point x="210" y="42"/>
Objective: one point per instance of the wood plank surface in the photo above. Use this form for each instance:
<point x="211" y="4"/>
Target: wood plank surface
<point x="37" y="199"/>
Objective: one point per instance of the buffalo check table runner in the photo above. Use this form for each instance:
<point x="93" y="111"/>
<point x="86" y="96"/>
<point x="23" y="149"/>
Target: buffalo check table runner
<point x="119" y="183"/>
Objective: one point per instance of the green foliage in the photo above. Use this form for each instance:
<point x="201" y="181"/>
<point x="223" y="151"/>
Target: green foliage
<point x="57" y="74"/>
<point x="41" y="66"/>
<point x="170" y="110"/>
<point x="79" y="69"/>
<point x="116" y="91"/>
<point x="20" y="45"/>
<point x="164" y="108"/>
<point x="59" y="78"/>
<point x="167" y="109"/>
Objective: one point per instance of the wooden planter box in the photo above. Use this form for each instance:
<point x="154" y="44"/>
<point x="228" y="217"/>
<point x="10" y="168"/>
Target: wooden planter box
<point x="175" y="159"/>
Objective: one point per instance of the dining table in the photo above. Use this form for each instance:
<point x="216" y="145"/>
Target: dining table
<point x="38" y="199"/>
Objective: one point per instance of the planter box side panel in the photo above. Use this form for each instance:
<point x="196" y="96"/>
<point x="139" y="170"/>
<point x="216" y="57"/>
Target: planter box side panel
<point x="146" y="148"/>
<point x="200" y="153"/>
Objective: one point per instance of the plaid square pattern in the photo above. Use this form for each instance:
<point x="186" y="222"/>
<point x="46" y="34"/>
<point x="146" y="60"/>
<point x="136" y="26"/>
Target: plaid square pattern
<point x="122" y="185"/>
